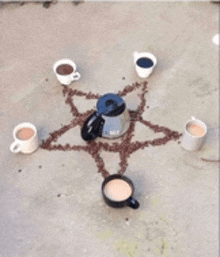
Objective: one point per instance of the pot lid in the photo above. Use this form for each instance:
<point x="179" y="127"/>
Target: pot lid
<point x="110" y="105"/>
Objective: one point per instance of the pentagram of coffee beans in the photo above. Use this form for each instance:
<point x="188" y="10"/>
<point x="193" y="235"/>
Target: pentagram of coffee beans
<point x="125" y="147"/>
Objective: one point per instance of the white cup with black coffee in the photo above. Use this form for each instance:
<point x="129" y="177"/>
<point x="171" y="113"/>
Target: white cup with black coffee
<point x="65" y="71"/>
<point x="194" y="134"/>
<point x="144" y="63"/>
<point x="26" y="138"/>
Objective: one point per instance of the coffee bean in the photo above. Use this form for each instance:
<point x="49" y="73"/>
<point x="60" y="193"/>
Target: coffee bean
<point x="126" y="147"/>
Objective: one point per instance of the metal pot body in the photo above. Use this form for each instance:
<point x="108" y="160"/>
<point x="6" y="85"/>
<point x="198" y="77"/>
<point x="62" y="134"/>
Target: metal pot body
<point x="116" y="126"/>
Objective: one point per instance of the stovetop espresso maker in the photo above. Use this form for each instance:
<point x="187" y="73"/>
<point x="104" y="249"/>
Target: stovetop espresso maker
<point x="110" y="120"/>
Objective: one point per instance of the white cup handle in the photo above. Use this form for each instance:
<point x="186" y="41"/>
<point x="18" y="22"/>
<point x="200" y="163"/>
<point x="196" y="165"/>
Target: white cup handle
<point x="76" y="76"/>
<point x="193" y="118"/>
<point x="15" y="147"/>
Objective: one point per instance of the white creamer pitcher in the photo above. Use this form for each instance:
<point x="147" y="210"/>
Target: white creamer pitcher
<point x="144" y="63"/>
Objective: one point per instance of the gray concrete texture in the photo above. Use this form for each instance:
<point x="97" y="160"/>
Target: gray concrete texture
<point x="50" y="201"/>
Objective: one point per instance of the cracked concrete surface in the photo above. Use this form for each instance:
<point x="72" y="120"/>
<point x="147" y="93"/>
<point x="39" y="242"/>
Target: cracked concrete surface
<point x="51" y="203"/>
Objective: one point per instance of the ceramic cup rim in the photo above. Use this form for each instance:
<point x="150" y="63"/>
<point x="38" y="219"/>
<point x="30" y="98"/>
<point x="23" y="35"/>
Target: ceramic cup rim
<point x="24" y="125"/>
<point x="64" y="61"/>
<point x="150" y="56"/>
<point x="194" y="121"/>
<point x="117" y="176"/>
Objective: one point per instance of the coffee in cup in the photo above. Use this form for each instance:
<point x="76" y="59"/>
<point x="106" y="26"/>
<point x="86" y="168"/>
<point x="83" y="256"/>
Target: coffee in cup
<point x="25" y="133"/>
<point x="195" y="129"/>
<point x="117" y="191"/>
<point x="144" y="62"/>
<point x="64" y="69"/>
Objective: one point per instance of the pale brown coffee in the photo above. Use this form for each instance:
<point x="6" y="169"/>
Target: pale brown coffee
<point x="117" y="190"/>
<point x="25" y="133"/>
<point x="196" y="130"/>
<point x="64" y="69"/>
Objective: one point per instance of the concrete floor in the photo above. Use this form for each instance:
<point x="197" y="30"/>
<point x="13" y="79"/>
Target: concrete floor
<point x="50" y="201"/>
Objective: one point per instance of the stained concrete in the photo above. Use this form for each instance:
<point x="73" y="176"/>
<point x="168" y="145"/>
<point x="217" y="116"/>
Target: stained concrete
<point x="51" y="203"/>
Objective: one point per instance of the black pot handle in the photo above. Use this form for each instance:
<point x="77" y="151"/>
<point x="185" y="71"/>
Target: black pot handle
<point x="133" y="203"/>
<point x="92" y="127"/>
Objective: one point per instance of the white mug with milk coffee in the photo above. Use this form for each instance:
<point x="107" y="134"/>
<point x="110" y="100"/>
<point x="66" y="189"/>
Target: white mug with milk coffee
<point x="65" y="71"/>
<point x="194" y="134"/>
<point x="26" y="138"/>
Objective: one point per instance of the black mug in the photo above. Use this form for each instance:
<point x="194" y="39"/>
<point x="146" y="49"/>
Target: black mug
<point x="118" y="183"/>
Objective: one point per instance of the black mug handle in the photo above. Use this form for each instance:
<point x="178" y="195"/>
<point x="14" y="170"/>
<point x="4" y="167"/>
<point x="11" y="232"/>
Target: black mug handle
<point x="92" y="127"/>
<point x="133" y="203"/>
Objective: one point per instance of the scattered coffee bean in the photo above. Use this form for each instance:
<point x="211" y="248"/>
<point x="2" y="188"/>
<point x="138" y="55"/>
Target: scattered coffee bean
<point x="123" y="78"/>
<point x="59" y="195"/>
<point x="126" y="147"/>
<point x="40" y="167"/>
<point x="126" y="219"/>
<point x="20" y="170"/>
<point x="46" y="80"/>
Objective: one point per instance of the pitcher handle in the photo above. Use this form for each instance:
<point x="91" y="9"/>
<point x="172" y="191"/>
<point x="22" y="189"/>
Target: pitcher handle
<point x="134" y="204"/>
<point x="92" y="127"/>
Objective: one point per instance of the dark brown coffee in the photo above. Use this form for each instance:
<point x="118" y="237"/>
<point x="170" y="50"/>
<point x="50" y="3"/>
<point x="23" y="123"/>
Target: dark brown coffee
<point x="145" y="62"/>
<point x="64" y="69"/>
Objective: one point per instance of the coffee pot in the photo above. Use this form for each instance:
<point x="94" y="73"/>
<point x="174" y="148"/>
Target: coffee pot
<point x="110" y="120"/>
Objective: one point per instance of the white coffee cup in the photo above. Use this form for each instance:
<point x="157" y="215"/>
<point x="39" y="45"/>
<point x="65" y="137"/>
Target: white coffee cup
<point x="28" y="141"/>
<point x="194" y="134"/>
<point x="67" y="77"/>
<point x="144" y="63"/>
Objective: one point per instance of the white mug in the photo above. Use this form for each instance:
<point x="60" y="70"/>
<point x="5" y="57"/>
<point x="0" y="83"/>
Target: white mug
<point x="193" y="140"/>
<point x="66" y="79"/>
<point x="144" y="71"/>
<point x="29" y="143"/>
